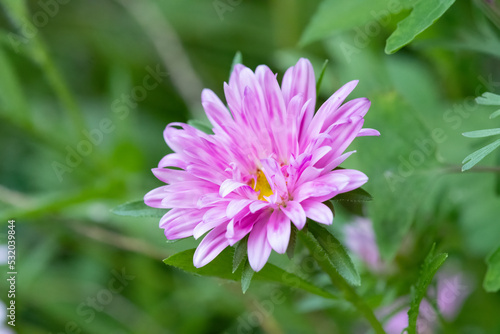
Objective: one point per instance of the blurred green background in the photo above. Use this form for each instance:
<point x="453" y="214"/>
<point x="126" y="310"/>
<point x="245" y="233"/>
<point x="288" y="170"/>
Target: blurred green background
<point x="81" y="121"/>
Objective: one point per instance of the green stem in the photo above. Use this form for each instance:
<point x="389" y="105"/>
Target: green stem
<point x="54" y="204"/>
<point x="39" y="53"/>
<point x="349" y="293"/>
<point x="59" y="85"/>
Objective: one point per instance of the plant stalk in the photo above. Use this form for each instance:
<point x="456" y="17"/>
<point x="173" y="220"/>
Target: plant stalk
<point x="338" y="281"/>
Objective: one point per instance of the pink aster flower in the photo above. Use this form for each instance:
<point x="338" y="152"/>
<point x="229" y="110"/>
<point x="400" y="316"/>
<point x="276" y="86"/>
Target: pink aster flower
<point x="360" y="239"/>
<point x="269" y="163"/>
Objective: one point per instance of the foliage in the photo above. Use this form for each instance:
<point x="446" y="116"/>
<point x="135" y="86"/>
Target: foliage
<point x="80" y="131"/>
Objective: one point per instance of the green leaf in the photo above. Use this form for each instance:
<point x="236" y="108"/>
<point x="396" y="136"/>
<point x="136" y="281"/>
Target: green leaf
<point x="431" y="265"/>
<point x="221" y="267"/>
<point x="138" y="209"/>
<point x="240" y="253"/>
<point x="423" y="15"/>
<point x="246" y="276"/>
<point x="336" y="253"/>
<point x="320" y="78"/>
<point x="495" y="114"/>
<point x="473" y="158"/>
<point x="12" y="97"/>
<point x="238" y="59"/>
<point x="482" y="133"/>
<point x="353" y="201"/>
<point x="16" y="8"/>
<point x="356" y="195"/>
<point x="491" y="281"/>
<point x="488" y="99"/>
<point x="333" y="16"/>
<point x="202" y="126"/>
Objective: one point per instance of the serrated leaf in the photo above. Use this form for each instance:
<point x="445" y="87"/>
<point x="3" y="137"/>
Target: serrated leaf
<point x="336" y="253"/>
<point x="138" y="209"/>
<point x="333" y="16"/>
<point x="431" y="265"/>
<point x="491" y="281"/>
<point x="240" y="253"/>
<point x="353" y="201"/>
<point x="246" y="276"/>
<point x="290" y="250"/>
<point x="202" y="126"/>
<point x="473" y="158"/>
<point x="356" y="195"/>
<point x="321" y="75"/>
<point x="221" y="267"/>
<point x="488" y="99"/>
<point x="423" y="15"/>
<point x="482" y="133"/>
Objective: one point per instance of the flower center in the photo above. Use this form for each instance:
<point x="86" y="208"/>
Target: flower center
<point x="263" y="186"/>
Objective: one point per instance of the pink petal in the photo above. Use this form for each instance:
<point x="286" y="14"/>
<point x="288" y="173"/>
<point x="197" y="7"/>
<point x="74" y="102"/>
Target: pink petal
<point x="211" y="246"/>
<point x="274" y="175"/>
<point x="212" y="218"/>
<point x="368" y="132"/>
<point x="309" y="174"/>
<point x="318" y="212"/>
<point x="173" y="160"/>
<point x="228" y="186"/>
<point x="334" y="163"/>
<point x="344" y="134"/>
<point x="259" y="248"/>
<point x="278" y="231"/>
<point x="299" y="80"/>
<point x="330" y="107"/>
<point x="155" y="197"/>
<point x="356" y="178"/>
<point x="171" y="175"/>
<point x="296" y="213"/>
<point x="357" y="107"/>
<point x="236" y="206"/>
<point x="181" y="226"/>
<point x="327" y="184"/>
<point x="257" y="205"/>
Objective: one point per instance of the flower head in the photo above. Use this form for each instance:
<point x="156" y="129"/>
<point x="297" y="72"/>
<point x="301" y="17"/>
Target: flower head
<point x="269" y="163"/>
<point x="360" y="239"/>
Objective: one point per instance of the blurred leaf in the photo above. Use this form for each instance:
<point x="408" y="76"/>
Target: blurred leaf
<point x="12" y="97"/>
<point x="495" y="114"/>
<point x="246" y="276"/>
<point x="202" y="126"/>
<point x="238" y="59"/>
<point x="336" y="253"/>
<point x="333" y="15"/>
<point x="423" y="15"/>
<point x="489" y="99"/>
<point x="473" y="158"/>
<point x="431" y="265"/>
<point x="482" y="133"/>
<point x="491" y="281"/>
<point x="321" y="75"/>
<point x="221" y="267"/>
<point x="16" y="8"/>
<point x="138" y="209"/>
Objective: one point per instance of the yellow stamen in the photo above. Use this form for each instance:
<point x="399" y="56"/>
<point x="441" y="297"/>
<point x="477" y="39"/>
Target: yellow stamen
<point x="263" y="186"/>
